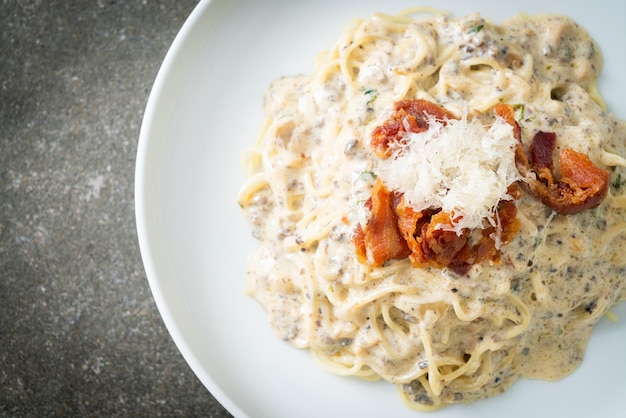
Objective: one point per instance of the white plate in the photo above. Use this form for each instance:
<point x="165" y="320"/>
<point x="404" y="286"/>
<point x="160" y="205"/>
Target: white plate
<point x="205" y="107"/>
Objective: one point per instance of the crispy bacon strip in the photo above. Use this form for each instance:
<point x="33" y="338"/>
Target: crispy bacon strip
<point x="510" y="225"/>
<point x="381" y="239"/>
<point x="410" y="225"/>
<point x="429" y="244"/>
<point x="439" y="244"/>
<point x="506" y="112"/>
<point x="408" y="116"/>
<point x="583" y="185"/>
<point x="541" y="150"/>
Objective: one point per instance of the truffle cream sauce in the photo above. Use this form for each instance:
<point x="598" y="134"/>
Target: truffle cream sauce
<point x="563" y="271"/>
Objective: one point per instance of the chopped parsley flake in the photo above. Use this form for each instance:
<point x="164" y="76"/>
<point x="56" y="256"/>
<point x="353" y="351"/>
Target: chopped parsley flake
<point x="519" y="108"/>
<point x="371" y="93"/>
<point x="367" y="175"/>
<point x="476" y="28"/>
<point x="618" y="181"/>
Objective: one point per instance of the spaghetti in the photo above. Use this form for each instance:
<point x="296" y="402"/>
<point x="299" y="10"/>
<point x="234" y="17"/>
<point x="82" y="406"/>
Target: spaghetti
<point x="442" y="335"/>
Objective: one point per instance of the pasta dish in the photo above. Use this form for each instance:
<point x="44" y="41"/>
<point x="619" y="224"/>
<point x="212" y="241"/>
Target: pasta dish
<point x="441" y="204"/>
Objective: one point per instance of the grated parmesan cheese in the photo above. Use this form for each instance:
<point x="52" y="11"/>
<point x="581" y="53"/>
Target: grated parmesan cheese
<point x="462" y="167"/>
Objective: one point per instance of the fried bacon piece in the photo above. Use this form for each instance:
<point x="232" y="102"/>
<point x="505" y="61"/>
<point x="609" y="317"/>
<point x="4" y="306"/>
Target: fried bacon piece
<point x="541" y="150"/>
<point x="541" y="159"/>
<point x="381" y="239"/>
<point x="426" y="236"/>
<point x="408" y="116"/>
<point x="486" y="248"/>
<point x="506" y="112"/>
<point x="583" y="185"/>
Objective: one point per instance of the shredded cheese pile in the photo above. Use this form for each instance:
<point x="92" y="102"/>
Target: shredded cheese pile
<point x="460" y="166"/>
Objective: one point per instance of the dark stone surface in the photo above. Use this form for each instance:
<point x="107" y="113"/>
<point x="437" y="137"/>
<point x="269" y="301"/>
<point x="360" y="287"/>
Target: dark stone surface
<point x="80" y="334"/>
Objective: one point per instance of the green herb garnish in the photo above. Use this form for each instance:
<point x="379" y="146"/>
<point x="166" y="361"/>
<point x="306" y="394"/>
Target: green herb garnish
<point x="372" y="94"/>
<point x="476" y="28"/>
<point x="618" y="181"/>
<point x="519" y="108"/>
<point x="367" y="175"/>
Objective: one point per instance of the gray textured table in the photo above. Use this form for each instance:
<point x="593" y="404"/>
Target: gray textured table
<point x="80" y="334"/>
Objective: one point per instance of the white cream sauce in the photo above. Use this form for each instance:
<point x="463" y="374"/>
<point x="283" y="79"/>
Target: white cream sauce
<point x="560" y="272"/>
